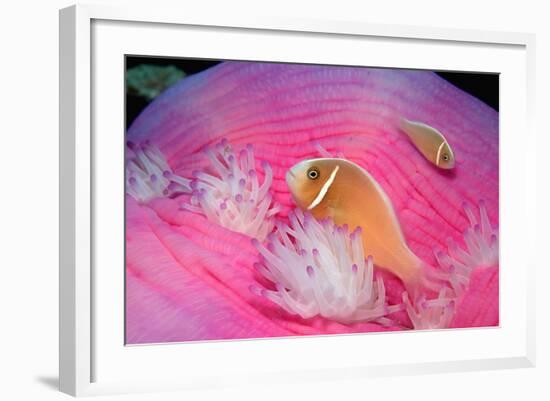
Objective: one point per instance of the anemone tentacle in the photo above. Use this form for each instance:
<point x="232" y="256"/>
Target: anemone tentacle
<point x="456" y="266"/>
<point x="319" y="268"/>
<point x="431" y="314"/>
<point x="480" y="249"/>
<point x="232" y="195"/>
<point x="325" y="153"/>
<point x="148" y="174"/>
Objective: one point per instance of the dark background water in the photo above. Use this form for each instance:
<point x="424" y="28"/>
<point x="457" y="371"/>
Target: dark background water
<point x="481" y="85"/>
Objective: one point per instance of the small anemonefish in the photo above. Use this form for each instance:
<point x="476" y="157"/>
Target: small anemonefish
<point x="342" y="190"/>
<point x="430" y="142"/>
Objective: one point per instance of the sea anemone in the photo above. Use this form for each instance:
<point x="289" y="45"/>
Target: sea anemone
<point x="232" y="195"/>
<point x="148" y="176"/>
<point x="481" y="250"/>
<point x="319" y="268"/>
<point x="435" y="313"/>
<point x="457" y="266"/>
<point x="188" y="276"/>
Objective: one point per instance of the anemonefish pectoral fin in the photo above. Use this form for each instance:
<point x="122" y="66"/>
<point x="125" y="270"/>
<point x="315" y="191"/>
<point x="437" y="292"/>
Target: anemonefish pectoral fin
<point x="332" y="208"/>
<point x="330" y="212"/>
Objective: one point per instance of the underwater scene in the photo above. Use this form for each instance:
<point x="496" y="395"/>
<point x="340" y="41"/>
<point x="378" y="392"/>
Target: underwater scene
<point x="273" y="199"/>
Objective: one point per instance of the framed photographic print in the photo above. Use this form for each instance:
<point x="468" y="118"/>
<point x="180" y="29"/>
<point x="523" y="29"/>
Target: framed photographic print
<point x="238" y="195"/>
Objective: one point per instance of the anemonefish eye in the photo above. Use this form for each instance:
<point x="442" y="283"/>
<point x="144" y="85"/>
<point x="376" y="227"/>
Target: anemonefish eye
<point x="313" y="173"/>
<point x="446" y="157"/>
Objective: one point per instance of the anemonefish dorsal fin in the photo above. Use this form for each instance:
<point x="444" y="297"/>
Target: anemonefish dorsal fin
<point x="430" y="142"/>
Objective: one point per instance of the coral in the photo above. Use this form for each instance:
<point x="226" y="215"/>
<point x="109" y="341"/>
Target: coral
<point x="150" y="80"/>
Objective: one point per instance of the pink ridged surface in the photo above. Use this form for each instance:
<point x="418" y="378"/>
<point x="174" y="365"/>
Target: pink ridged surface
<point x="479" y="306"/>
<point x="188" y="278"/>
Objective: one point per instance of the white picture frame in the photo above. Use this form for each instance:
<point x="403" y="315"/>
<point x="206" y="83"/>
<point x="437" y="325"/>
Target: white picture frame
<point x="91" y="360"/>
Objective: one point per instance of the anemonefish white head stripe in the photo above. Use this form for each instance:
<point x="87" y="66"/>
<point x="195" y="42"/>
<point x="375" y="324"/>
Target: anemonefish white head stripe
<point x="439" y="151"/>
<point x="324" y="189"/>
<point x="430" y="142"/>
